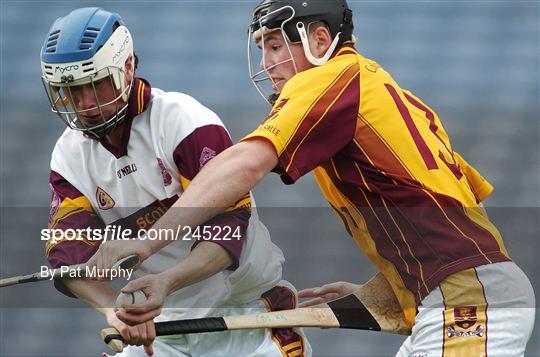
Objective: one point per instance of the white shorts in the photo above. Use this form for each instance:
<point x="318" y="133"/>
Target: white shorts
<point x="485" y="311"/>
<point x="253" y="343"/>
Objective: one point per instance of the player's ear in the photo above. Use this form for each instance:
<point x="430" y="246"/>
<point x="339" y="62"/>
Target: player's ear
<point x="320" y="40"/>
<point x="130" y="68"/>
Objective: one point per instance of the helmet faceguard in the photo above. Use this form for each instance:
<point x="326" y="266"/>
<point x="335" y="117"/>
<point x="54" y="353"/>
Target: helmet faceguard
<point x="86" y="51"/>
<point x="256" y="38"/>
<point x="294" y="19"/>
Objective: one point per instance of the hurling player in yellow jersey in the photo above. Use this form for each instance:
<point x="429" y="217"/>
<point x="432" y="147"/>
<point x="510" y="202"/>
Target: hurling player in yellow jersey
<point x="385" y="164"/>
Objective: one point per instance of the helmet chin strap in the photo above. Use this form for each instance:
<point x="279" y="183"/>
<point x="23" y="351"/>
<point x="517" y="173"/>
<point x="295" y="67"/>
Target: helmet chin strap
<point x="272" y="98"/>
<point x="305" y="43"/>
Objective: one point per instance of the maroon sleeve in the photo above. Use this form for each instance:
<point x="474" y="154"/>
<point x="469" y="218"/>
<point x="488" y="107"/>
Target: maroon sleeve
<point x="69" y="209"/>
<point x="199" y="147"/>
<point x="327" y="127"/>
<point x="190" y="155"/>
<point x="228" y="223"/>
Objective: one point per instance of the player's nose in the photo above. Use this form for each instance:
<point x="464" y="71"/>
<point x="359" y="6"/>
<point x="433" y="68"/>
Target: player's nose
<point x="86" y="97"/>
<point x="265" y="63"/>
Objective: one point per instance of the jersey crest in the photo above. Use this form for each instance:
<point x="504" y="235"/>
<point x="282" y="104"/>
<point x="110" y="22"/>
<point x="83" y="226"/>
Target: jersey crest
<point x="104" y="200"/>
<point x="206" y="155"/>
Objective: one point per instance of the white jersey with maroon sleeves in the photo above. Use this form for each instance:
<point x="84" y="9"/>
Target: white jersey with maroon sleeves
<point x="168" y="137"/>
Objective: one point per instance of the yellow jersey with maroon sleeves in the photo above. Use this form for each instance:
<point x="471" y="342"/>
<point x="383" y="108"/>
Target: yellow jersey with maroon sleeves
<point x="385" y="164"/>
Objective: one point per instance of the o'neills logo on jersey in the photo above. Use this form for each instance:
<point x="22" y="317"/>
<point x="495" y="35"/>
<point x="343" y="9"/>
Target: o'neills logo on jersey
<point x="103" y="199"/>
<point x="126" y="170"/>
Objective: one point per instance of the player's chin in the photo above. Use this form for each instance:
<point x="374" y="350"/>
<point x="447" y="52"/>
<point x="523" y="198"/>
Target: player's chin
<point x="92" y="120"/>
<point x="278" y="85"/>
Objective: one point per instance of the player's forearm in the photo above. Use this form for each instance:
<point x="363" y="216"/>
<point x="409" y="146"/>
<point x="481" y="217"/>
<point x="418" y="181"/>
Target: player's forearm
<point x="205" y="260"/>
<point x="222" y="181"/>
<point x="99" y="295"/>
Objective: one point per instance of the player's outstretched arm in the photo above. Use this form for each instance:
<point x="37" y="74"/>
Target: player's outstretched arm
<point x="327" y="292"/>
<point x="222" y="181"/>
<point x="205" y="260"/>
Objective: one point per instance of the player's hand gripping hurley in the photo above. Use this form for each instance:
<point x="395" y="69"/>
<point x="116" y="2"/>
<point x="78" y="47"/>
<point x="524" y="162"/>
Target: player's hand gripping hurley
<point x="372" y="307"/>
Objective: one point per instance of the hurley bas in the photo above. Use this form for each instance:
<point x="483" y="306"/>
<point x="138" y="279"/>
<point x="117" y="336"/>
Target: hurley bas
<point x="82" y="271"/>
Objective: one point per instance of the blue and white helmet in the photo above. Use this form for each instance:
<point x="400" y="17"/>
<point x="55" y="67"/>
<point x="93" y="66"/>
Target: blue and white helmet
<point x="85" y="47"/>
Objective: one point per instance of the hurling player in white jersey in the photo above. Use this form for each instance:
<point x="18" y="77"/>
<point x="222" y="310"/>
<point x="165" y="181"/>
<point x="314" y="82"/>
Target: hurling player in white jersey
<point x="128" y="154"/>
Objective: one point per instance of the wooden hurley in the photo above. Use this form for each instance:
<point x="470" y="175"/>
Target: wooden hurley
<point x="372" y="307"/>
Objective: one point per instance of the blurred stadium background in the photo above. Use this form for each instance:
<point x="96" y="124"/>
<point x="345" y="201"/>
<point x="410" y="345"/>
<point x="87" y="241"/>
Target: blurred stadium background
<point x="476" y="63"/>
